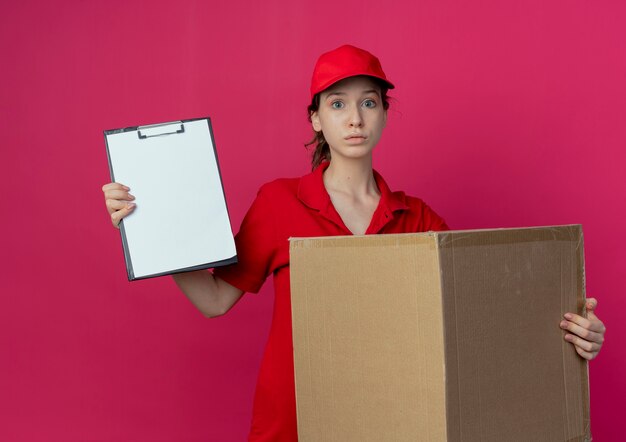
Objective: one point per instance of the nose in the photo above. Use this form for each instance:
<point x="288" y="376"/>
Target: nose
<point x="355" y="118"/>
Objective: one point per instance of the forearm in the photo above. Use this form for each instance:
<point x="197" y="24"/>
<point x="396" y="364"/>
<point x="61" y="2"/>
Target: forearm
<point x="209" y="294"/>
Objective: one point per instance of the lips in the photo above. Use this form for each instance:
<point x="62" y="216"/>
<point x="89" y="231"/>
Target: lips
<point x="355" y="137"/>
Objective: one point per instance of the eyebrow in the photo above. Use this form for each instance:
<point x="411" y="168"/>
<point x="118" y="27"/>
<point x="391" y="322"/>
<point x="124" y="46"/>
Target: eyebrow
<point x="369" y="91"/>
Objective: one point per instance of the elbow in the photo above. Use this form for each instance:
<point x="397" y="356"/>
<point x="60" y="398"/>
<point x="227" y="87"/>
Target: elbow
<point x="211" y="314"/>
<point x="219" y="303"/>
<point x="215" y="311"/>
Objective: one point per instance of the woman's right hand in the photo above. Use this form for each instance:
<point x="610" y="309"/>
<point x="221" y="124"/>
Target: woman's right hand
<point x="118" y="202"/>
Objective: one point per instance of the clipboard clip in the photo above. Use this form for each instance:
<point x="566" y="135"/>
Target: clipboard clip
<point x="157" y="130"/>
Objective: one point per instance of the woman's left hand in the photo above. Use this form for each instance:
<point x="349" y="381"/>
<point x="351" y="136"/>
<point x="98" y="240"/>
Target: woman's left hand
<point x="586" y="334"/>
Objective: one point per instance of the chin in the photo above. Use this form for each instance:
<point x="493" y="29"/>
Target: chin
<point x="353" y="153"/>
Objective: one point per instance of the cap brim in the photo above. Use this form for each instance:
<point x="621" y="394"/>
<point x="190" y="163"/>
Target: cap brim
<point x="337" y="79"/>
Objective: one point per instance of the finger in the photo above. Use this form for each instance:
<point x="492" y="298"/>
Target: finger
<point x="591" y="347"/>
<point x="593" y="324"/>
<point x="591" y="304"/>
<point x="591" y="316"/>
<point x="583" y="332"/>
<point x="118" y="195"/>
<point x="585" y="354"/>
<point x="115" y="205"/>
<point x="117" y="216"/>
<point x="114" y="186"/>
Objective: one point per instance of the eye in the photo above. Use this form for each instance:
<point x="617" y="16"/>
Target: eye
<point x="337" y="104"/>
<point x="369" y="103"/>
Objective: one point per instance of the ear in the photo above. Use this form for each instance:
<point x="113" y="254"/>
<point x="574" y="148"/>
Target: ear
<point x="385" y="119"/>
<point x="315" y="122"/>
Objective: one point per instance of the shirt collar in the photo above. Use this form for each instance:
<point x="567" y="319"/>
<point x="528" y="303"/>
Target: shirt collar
<point x="311" y="191"/>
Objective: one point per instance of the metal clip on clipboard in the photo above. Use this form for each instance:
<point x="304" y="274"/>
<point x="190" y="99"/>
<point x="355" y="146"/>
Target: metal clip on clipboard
<point x="157" y="130"/>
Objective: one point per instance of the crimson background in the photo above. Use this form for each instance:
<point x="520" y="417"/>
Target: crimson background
<point x="505" y="114"/>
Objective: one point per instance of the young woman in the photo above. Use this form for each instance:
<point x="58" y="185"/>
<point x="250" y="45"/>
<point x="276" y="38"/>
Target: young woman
<point x="342" y="196"/>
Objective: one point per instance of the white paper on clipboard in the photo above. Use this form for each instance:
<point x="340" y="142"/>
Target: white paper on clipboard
<point x="181" y="221"/>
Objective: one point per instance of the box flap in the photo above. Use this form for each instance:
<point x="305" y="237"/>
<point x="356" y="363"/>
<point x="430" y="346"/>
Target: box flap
<point x="368" y="338"/>
<point x="511" y="376"/>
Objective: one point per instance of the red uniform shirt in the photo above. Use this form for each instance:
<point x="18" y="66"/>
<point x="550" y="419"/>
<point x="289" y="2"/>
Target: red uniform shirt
<point x="299" y="207"/>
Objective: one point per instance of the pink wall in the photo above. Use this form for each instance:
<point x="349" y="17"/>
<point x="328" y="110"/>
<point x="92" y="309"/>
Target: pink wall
<point x="506" y="114"/>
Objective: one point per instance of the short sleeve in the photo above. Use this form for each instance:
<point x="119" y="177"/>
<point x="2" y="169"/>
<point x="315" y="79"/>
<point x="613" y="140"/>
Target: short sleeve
<point x="432" y="221"/>
<point x="256" y="246"/>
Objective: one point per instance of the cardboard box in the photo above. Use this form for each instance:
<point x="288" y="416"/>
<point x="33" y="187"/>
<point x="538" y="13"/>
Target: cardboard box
<point x="439" y="336"/>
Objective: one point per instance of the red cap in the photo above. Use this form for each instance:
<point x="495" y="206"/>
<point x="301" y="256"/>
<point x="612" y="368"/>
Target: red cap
<point x="343" y="62"/>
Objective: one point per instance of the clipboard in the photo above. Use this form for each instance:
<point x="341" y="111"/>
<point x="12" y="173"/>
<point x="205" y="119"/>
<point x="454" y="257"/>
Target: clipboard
<point x="180" y="222"/>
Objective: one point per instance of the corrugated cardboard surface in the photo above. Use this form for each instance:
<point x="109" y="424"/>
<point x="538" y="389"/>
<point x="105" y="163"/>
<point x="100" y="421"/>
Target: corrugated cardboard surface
<point x="439" y="336"/>
<point x="366" y="313"/>
<point x="511" y="376"/>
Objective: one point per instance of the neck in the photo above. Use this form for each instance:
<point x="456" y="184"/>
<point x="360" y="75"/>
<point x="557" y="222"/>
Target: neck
<point x="353" y="177"/>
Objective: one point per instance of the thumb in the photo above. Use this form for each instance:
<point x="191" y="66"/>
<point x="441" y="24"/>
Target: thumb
<point x="590" y="305"/>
